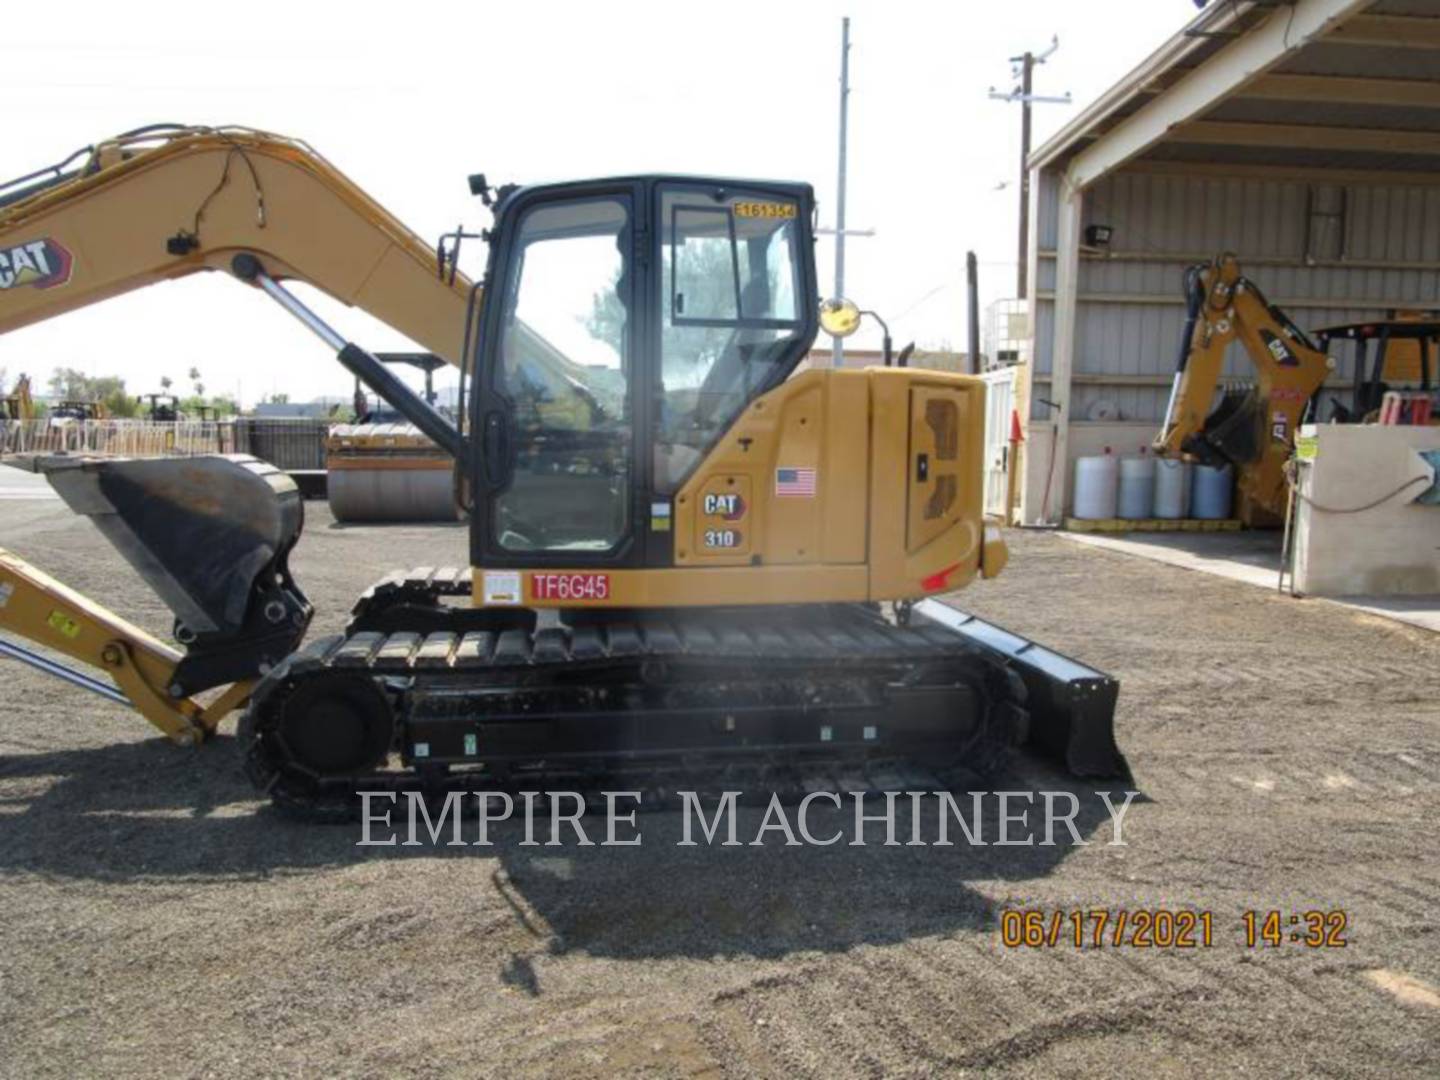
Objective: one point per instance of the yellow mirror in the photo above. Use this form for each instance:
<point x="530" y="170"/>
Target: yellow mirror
<point x="839" y="318"/>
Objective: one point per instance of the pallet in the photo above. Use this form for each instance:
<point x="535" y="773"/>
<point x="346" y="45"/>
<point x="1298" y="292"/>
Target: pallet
<point x="1117" y="525"/>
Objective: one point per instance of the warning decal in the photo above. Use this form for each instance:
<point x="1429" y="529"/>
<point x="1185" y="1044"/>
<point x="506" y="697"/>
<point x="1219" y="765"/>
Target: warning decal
<point x="502" y="586"/>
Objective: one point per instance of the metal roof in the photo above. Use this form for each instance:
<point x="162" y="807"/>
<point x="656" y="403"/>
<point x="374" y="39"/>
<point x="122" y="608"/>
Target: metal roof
<point x="1333" y="84"/>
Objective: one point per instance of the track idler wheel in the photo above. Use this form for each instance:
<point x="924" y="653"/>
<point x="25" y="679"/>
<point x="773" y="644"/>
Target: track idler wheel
<point x="335" y="725"/>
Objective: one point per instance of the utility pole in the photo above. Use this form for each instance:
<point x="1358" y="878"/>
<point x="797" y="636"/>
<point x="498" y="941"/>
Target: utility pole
<point x="972" y="297"/>
<point x="1022" y="263"/>
<point x="837" y="354"/>
<point x="1022" y="69"/>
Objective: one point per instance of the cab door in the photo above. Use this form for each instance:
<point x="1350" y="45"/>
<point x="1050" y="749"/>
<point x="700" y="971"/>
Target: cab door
<point x="554" y="422"/>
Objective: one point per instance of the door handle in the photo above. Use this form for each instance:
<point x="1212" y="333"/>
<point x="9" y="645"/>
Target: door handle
<point x="497" y="448"/>
<point x="922" y="468"/>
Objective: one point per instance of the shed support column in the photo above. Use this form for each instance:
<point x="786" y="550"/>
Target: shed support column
<point x="1032" y="457"/>
<point x="1062" y="353"/>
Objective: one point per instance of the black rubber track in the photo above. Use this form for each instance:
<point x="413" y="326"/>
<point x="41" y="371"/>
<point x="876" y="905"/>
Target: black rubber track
<point x="840" y="656"/>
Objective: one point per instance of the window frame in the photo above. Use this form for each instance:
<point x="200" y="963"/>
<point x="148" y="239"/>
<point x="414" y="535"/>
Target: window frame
<point x="492" y="397"/>
<point x="488" y="406"/>
<point x="741" y="320"/>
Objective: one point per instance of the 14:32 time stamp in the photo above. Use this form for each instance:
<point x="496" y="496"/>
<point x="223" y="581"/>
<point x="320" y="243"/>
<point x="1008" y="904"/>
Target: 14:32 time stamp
<point x="1165" y="928"/>
<point x="1313" y="929"/>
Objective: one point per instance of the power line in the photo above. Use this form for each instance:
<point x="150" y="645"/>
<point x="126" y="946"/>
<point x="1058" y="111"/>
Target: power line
<point x="1022" y="68"/>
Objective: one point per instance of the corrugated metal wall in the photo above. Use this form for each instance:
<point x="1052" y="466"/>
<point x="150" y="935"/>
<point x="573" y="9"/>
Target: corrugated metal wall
<point x="1130" y="314"/>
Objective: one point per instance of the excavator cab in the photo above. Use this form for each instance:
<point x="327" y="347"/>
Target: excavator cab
<point x="635" y="319"/>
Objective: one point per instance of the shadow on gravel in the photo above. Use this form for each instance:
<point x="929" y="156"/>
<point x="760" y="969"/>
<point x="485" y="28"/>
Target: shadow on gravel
<point x="147" y="811"/>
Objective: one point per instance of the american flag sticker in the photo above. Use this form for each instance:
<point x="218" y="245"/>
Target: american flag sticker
<point x="795" y="483"/>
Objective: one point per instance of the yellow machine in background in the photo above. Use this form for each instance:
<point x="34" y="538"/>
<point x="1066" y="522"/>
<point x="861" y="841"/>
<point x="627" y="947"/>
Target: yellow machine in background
<point x="79" y="410"/>
<point x="679" y="547"/>
<point x="1410" y="360"/>
<point x="387" y="472"/>
<point x="18" y="404"/>
<point x="1252" y="429"/>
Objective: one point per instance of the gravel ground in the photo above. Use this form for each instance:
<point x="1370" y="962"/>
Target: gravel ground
<point x="159" y="919"/>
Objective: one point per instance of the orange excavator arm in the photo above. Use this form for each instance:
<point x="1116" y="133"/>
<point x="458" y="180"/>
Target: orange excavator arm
<point x="1252" y="429"/>
<point x="167" y="202"/>
<point x="164" y="203"/>
<point x="18" y="405"/>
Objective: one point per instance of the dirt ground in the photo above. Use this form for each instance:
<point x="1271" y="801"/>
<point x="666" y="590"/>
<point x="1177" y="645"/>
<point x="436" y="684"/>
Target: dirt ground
<point x="158" y="918"/>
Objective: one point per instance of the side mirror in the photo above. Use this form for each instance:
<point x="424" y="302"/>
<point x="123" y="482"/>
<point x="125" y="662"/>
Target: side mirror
<point x="839" y="318"/>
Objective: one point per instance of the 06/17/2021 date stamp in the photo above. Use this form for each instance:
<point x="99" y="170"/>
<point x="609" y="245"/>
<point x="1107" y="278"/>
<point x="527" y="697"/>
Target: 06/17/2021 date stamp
<point x="1165" y="928"/>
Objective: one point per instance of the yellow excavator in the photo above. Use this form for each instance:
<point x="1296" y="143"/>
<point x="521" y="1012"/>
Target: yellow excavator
<point x="18" y="405"/>
<point x="1252" y="429"/>
<point x="684" y="556"/>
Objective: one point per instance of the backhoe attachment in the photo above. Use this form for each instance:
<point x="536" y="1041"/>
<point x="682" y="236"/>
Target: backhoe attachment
<point x="1252" y="429"/>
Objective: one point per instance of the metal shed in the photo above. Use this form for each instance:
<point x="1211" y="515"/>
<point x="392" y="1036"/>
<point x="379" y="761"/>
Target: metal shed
<point x="1303" y="135"/>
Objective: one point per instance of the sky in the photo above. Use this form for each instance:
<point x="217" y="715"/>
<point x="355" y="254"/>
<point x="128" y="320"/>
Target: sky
<point x="408" y="100"/>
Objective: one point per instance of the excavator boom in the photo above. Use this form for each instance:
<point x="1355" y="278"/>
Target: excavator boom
<point x="170" y="201"/>
<point x="210" y="535"/>
<point x="18" y="405"/>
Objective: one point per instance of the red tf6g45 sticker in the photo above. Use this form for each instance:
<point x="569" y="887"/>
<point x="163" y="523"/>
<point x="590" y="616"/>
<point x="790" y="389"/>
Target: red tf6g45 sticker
<point x="570" y="586"/>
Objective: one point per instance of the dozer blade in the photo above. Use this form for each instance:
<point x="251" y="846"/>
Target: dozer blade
<point x="212" y="537"/>
<point x="1071" y="706"/>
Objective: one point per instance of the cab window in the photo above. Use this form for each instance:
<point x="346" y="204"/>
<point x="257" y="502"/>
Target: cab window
<point x="731" y="314"/>
<point x="565" y="367"/>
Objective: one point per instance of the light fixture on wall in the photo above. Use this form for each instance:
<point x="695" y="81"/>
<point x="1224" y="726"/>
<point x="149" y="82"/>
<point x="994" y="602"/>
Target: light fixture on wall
<point x="1098" y="235"/>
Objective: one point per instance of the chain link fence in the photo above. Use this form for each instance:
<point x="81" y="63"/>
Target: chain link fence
<point x="292" y="445"/>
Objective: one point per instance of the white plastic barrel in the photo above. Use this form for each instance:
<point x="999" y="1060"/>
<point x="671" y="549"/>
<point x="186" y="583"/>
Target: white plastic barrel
<point x="1210" y="497"/>
<point x="1096" y="486"/>
<point x="1172" y="488"/>
<point x="1137" y="487"/>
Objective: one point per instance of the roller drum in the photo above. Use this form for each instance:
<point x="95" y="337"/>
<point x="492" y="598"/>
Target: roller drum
<point x="392" y="494"/>
<point x="388" y="472"/>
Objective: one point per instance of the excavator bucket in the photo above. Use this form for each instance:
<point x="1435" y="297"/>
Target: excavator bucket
<point x="212" y="537"/>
